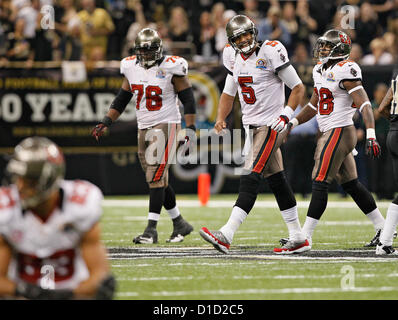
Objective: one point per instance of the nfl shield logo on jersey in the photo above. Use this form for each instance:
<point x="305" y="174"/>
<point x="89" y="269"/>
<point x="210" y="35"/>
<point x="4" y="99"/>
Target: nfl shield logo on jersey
<point x="261" y="64"/>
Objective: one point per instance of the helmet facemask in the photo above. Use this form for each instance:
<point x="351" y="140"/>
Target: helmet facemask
<point x="246" y="46"/>
<point x="148" y="55"/>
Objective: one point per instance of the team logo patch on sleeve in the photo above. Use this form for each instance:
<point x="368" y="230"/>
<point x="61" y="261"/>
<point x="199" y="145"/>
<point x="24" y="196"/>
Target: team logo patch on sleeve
<point x="353" y="72"/>
<point x="283" y="57"/>
<point x="261" y="64"/>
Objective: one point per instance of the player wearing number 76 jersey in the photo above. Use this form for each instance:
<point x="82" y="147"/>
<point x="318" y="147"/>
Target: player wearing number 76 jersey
<point x="338" y="93"/>
<point x="156" y="81"/>
<point x="258" y="71"/>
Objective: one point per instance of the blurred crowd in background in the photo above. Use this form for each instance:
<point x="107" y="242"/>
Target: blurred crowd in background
<point x="103" y="30"/>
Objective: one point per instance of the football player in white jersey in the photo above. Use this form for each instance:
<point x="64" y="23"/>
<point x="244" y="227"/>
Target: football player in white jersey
<point x="157" y="81"/>
<point x="259" y="71"/>
<point x="50" y="244"/>
<point x="338" y="94"/>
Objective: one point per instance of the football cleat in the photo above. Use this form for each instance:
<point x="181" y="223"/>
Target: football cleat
<point x="291" y="247"/>
<point x="374" y="242"/>
<point x="181" y="229"/>
<point x="283" y="241"/>
<point x="381" y="250"/>
<point x="216" y="238"/>
<point x="149" y="236"/>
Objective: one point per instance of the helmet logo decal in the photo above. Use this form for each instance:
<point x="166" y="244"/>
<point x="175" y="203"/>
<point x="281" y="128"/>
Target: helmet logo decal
<point x="344" y="38"/>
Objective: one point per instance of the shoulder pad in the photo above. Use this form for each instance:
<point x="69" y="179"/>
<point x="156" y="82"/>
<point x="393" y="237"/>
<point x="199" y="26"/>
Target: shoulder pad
<point x="8" y="201"/>
<point x="127" y="63"/>
<point x="83" y="200"/>
<point x="276" y="52"/>
<point x="228" y="57"/>
<point x="348" y="69"/>
<point x="176" y="65"/>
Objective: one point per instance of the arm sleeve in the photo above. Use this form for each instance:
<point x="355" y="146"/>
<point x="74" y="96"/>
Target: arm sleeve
<point x="230" y="87"/>
<point x="289" y="76"/>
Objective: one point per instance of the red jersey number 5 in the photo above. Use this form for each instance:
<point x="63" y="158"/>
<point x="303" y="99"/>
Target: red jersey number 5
<point x="247" y="92"/>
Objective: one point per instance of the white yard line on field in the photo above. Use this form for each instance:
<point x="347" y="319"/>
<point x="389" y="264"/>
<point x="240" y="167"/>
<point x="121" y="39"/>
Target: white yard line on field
<point x="259" y="291"/>
<point x="229" y="204"/>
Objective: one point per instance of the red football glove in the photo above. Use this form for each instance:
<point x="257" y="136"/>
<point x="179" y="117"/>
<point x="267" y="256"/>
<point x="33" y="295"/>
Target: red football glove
<point x="373" y="148"/>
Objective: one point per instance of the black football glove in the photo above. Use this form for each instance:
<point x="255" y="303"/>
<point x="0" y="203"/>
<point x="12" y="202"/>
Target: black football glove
<point x="186" y="143"/>
<point x="34" y="292"/>
<point x="373" y="148"/>
<point x="99" y="130"/>
<point x="106" y="289"/>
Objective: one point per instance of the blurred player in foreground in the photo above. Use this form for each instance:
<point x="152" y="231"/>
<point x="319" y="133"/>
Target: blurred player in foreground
<point x="50" y="244"/>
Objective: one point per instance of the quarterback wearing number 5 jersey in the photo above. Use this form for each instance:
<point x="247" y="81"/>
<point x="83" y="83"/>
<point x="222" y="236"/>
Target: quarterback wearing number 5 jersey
<point x="259" y="71"/>
<point x="338" y="93"/>
<point x="156" y="82"/>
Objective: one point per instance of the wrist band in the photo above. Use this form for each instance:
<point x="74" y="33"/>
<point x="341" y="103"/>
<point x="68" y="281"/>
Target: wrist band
<point x="106" y="121"/>
<point x="370" y="133"/>
<point x="294" y="122"/>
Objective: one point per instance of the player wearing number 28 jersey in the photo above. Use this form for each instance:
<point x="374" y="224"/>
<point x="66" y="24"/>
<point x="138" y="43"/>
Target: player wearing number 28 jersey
<point x="157" y="82"/>
<point x="259" y="71"/>
<point x="338" y="94"/>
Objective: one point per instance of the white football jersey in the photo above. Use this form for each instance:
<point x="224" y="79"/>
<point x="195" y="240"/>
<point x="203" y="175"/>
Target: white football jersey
<point x="261" y="91"/>
<point x="335" y="105"/>
<point x="155" y="97"/>
<point x="42" y="247"/>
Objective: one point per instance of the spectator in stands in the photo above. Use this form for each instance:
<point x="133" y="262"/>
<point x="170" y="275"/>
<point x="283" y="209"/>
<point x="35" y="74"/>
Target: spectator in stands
<point x="28" y="11"/>
<point x="289" y="19"/>
<point x="251" y="10"/>
<point x="18" y="48"/>
<point x="306" y="24"/>
<point x="96" y="26"/>
<point x="179" y="25"/>
<point x="221" y="35"/>
<point x="272" y="28"/>
<point x="367" y="26"/>
<point x="300" y="54"/>
<point x="44" y="42"/>
<point x="356" y="53"/>
<point x="70" y="46"/>
<point x="383" y="8"/>
<point x="205" y="41"/>
<point x="140" y="23"/>
<point x="378" y="55"/>
<point x="179" y="31"/>
<point x="380" y="178"/>
<point x="68" y="12"/>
